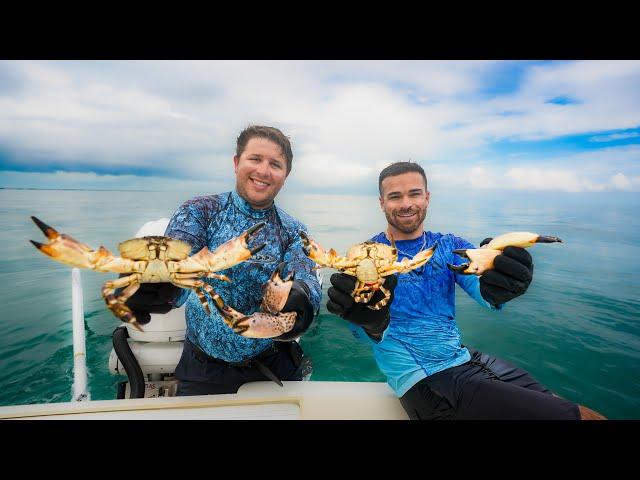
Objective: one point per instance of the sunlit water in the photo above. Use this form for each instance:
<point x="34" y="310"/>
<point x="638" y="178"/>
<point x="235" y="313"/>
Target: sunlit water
<point x="577" y="329"/>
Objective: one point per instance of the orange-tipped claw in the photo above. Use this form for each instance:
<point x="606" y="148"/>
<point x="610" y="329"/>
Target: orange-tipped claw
<point x="65" y="249"/>
<point x="315" y="252"/>
<point x="482" y="258"/>
<point x="49" y="232"/>
<point x="230" y="253"/>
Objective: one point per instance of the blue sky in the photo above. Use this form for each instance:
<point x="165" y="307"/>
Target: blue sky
<point x="571" y="126"/>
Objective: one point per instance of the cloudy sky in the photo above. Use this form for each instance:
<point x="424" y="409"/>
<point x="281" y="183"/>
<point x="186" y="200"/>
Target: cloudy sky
<point x="571" y="126"/>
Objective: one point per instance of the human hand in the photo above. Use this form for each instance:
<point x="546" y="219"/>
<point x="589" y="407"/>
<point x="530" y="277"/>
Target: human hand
<point x="510" y="277"/>
<point x="299" y="302"/>
<point x="152" y="298"/>
<point x="373" y="322"/>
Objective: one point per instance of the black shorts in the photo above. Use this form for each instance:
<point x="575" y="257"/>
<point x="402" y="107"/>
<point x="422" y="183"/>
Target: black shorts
<point x="485" y="388"/>
<point x="199" y="374"/>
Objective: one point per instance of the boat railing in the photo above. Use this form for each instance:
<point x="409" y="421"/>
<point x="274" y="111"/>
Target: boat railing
<point x="80" y="386"/>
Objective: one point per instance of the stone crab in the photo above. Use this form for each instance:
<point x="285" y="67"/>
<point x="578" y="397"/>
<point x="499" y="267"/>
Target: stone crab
<point x="152" y="259"/>
<point x="269" y="321"/>
<point x="482" y="258"/>
<point x="370" y="262"/>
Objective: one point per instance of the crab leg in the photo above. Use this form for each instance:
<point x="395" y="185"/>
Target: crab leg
<point x="198" y="275"/>
<point x="227" y="255"/>
<point x="359" y="296"/>
<point x="197" y="286"/>
<point x="64" y="249"/>
<point x="482" y="258"/>
<point x="117" y="303"/>
<point x="383" y="302"/>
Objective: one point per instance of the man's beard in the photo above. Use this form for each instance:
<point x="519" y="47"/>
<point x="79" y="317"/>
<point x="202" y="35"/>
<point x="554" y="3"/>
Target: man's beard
<point x="406" y="227"/>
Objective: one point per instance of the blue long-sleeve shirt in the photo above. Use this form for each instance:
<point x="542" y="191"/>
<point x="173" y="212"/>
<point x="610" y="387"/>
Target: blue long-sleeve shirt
<point x="212" y="220"/>
<point x="422" y="337"/>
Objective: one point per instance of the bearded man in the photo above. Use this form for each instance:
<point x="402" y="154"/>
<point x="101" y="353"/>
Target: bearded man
<point x="415" y="339"/>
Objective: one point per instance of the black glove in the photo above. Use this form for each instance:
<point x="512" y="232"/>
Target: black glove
<point x="373" y="322"/>
<point x="153" y="298"/>
<point x="300" y="303"/>
<point x="511" y="275"/>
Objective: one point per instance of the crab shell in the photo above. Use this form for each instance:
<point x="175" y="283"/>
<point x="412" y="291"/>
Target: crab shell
<point x="370" y="262"/>
<point x="372" y="256"/>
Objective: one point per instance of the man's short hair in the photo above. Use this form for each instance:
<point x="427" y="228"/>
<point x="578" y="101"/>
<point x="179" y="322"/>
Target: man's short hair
<point x="398" y="168"/>
<point x="270" y="133"/>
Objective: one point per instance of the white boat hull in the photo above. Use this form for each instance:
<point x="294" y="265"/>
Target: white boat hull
<point x="256" y="400"/>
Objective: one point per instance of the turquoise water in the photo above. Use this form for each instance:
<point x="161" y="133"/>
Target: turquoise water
<point x="577" y="329"/>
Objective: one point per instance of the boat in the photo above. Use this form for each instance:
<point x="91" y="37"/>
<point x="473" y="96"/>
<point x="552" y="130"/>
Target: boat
<point x="148" y="360"/>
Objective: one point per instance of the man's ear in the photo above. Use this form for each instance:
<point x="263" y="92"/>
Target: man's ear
<point x="236" y="160"/>
<point x="381" y="203"/>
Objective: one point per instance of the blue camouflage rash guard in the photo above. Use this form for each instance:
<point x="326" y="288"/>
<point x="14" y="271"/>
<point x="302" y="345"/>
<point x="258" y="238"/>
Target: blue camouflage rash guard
<point x="422" y="337"/>
<point x="212" y="220"/>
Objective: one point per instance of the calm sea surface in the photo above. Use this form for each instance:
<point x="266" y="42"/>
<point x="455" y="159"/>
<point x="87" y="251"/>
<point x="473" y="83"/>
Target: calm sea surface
<point x="577" y="329"/>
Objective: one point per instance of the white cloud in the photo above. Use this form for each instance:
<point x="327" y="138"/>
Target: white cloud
<point x="620" y="182"/>
<point x="532" y="178"/>
<point x="582" y="172"/>
<point x="347" y="119"/>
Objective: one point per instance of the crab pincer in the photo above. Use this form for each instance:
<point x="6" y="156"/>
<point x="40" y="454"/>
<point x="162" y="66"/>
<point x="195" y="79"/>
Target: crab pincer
<point x="250" y="233"/>
<point x="269" y="321"/>
<point x="481" y="259"/>
<point x="63" y="248"/>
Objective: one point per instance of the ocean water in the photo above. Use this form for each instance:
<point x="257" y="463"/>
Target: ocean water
<point x="577" y="329"/>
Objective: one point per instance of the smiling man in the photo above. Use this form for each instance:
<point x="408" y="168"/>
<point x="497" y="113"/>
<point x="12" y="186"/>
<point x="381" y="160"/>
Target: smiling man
<point x="414" y="337"/>
<point x="215" y="359"/>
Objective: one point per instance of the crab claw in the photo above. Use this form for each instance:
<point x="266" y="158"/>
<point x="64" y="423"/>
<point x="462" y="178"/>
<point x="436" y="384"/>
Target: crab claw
<point x="269" y="322"/>
<point x="306" y="243"/>
<point x="259" y="324"/>
<point x="67" y="250"/>
<point x="278" y="273"/>
<point x="50" y="233"/>
<point x="519" y="239"/>
<point x="315" y="252"/>
<point x="482" y="258"/>
<point x="276" y="291"/>
<point x="249" y="234"/>
<point x="263" y="325"/>
<point x="458" y="268"/>
<point x="227" y="255"/>
<point x="425" y="255"/>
